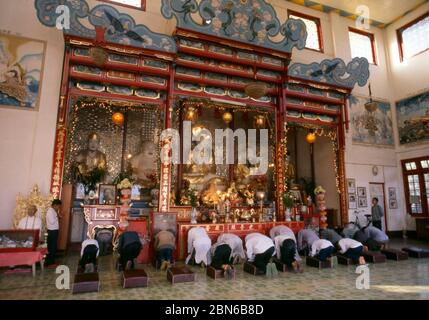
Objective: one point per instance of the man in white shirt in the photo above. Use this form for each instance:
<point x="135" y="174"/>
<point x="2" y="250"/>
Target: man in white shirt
<point x="260" y="249"/>
<point x="88" y="255"/>
<point x="286" y="248"/>
<point x="53" y="227"/>
<point x="199" y="244"/>
<point x="352" y="249"/>
<point x="236" y="244"/>
<point x="30" y="221"/>
<point x="322" y="248"/>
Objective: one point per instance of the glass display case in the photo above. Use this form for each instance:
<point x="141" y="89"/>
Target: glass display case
<point x="18" y="240"/>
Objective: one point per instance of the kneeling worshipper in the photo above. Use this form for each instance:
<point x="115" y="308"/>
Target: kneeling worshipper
<point x="322" y="249"/>
<point x="199" y="244"/>
<point x="88" y="255"/>
<point x="165" y="243"/>
<point x="377" y="235"/>
<point x="260" y="250"/>
<point x="285" y="244"/>
<point x="306" y="237"/>
<point x="236" y="245"/>
<point x="330" y="235"/>
<point x="129" y="248"/>
<point x="351" y="249"/>
<point x="30" y="221"/>
<point x="222" y="258"/>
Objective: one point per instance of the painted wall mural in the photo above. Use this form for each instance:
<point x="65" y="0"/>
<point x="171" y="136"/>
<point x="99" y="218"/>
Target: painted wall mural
<point x="368" y="126"/>
<point x="21" y="70"/>
<point x="249" y="21"/>
<point x="334" y="72"/>
<point x="413" y="119"/>
<point x="119" y="27"/>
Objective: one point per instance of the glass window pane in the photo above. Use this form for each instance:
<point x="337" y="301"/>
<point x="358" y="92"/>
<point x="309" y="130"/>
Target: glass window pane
<point x="425" y="164"/>
<point x="313" y="41"/>
<point x="410" y="166"/>
<point x="133" y="3"/>
<point x="415" y="38"/>
<point x="415" y="196"/>
<point x="361" y="46"/>
<point x="426" y="175"/>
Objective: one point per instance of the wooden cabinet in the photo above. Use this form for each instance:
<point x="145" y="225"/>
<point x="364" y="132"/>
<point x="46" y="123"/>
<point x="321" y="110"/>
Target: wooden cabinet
<point x="422" y="228"/>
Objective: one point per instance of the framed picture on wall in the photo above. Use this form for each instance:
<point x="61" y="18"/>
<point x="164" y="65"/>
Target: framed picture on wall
<point x="393" y="204"/>
<point x="107" y="194"/>
<point x="351" y="186"/>
<point x="352" y="201"/>
<point x="361" y="191"/>
<point x="392" y="194"/>
<point x="362" y="202"/>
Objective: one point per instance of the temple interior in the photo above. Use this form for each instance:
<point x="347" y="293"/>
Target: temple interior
<point x="214" y="149"/>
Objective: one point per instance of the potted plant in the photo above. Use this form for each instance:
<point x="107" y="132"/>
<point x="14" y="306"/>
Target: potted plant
<point x="288" y="202"/>
<point x="89" y="180"/>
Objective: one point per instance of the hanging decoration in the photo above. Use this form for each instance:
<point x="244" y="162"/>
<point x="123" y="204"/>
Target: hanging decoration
<point x="118" y="118"/>
<point x="191" y="114"/>
<point x="259" y="121"/>
<point x="227" y="117"/>
<point x="311" y="137"/>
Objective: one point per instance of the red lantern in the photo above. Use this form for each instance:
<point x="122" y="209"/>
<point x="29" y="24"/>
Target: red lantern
<point x="118" y="118"/>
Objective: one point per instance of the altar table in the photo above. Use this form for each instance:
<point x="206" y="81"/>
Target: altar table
<point x="29" y="258"/>
<point x="240" y="229"/>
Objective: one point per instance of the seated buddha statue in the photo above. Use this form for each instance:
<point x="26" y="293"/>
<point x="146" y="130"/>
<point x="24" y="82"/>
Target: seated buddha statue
<point x="91" y="158"/>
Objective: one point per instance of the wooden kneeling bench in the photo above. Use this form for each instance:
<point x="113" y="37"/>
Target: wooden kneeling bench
<point x="250" y="268"/>
<point x="86" y="282"/>
<point x="415" y="252"/>
<point x="179" y="275"/>
<point x="134" y="278"/>
<point x="344" y="260"/>
<point x="315" y="262"/>
<point x="374" y="257"/>
<point x="393" y="254"/>
<point x="217" y="273"/>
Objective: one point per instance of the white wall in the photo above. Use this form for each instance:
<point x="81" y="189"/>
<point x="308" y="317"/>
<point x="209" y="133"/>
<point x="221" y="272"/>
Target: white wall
<point x="27" y="137"/>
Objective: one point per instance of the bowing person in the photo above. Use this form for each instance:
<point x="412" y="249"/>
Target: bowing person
<point x="236" y="245"/>
<point x="260" y="249"/>
<point x="165" y="243"/>
<point x="129" y="248"/>
<point x="306" y="237"/>
<point x="322" y="249"/>
<point x="88" y="255"/>
<point x="286" y="248"/>
<point x="352" y="249"/>
<point x="199" y="245"/>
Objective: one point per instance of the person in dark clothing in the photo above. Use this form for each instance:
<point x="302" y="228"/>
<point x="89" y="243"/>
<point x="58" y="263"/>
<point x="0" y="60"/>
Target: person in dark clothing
<point x="362" y="237"/>
<point x="288" y="252"/>
<point x="129" y="248"/>
<point x="262" y="259"/>
<point x="52" y="225"/>
<point x="221" y="256"/>
<point x="376" y="213"/>
<point x="89" y="254"/>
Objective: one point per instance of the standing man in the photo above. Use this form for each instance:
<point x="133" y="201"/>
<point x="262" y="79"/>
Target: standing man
<point x="377" y="213"/>
<point x="53" y="227"/>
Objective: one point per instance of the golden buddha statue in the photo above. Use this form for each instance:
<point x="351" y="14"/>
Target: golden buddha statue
<point x="289" y="167"/>
<point x="91" y="158"/>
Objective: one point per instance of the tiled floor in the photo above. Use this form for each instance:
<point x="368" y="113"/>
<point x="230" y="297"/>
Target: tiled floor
<point x="391" y="280"/>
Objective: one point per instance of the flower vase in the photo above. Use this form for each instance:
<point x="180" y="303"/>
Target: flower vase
<point x="194" y="215"/>
<point x="125" y="196"/>
<point x="288" y="214"/>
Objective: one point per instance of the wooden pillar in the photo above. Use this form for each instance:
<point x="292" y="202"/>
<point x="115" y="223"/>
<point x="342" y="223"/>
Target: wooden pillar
<point x="165" y="175"/>
<point x="61" y="131"/>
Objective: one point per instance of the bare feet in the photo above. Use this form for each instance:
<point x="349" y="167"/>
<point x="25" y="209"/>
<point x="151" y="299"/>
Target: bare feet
<point x="362" y="260"/>
<point x="365" y="249"/>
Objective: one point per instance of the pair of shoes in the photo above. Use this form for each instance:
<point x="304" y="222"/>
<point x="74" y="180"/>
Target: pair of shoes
<point x="89" y="268"/>
<point x="229" y="273"/>
<point x="334" y="261"/>
<point x="274" y="270"/>
<point x="163" y="265"/>
<point x="269" y="271"/>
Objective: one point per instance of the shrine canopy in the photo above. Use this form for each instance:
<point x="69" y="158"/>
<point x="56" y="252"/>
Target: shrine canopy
<point x="253" y="23"/>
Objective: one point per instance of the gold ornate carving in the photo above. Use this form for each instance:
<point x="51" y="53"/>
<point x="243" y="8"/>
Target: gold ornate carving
<point x="34" y="198"/>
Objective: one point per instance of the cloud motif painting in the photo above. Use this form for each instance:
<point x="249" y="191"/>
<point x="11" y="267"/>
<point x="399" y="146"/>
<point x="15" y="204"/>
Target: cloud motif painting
<point x="21" y="69"/>
<point x="371" y="127"/>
